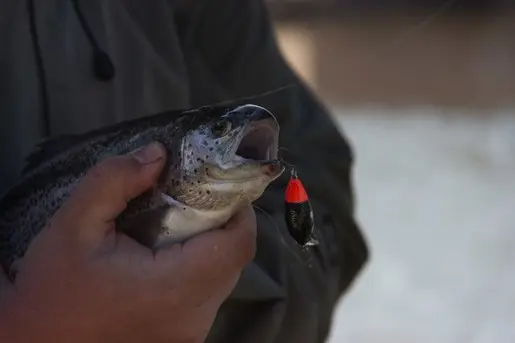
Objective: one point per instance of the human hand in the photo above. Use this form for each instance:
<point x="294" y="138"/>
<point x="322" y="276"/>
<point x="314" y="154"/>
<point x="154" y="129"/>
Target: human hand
<point x="82" y="281"/>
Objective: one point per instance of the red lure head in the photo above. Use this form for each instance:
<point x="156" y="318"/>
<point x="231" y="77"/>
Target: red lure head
<point x="295" y="192"/>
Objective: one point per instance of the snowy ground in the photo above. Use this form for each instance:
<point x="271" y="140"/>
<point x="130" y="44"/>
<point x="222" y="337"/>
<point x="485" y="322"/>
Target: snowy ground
<point x="436" y="190"/>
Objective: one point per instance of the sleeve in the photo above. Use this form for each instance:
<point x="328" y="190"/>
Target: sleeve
<point x="236" y="43"/>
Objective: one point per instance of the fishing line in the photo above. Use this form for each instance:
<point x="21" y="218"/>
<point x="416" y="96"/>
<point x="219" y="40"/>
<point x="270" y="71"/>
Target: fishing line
<point x="428" y="20"/>
<point x="230" y="102"/>
<point x="412" y="31"/>
<point x="283" y="161"/>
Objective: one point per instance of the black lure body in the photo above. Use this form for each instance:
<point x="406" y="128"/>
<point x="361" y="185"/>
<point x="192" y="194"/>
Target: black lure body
<point x="299" y="213"/>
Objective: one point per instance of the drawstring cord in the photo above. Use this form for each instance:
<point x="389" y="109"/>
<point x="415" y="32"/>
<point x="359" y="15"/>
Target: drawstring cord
<point x="40" y="68"/>
<point x="103" y="67"/>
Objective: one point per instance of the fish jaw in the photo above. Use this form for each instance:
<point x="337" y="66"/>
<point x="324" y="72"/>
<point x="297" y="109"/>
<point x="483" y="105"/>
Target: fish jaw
<point x="181" y="221"/>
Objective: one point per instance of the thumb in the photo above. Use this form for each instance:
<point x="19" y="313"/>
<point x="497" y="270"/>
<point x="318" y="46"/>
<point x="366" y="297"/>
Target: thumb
<point x="105" y="190"/>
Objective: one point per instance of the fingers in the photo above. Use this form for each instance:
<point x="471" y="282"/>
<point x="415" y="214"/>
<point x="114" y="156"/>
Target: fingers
<point x="105" y="190"/>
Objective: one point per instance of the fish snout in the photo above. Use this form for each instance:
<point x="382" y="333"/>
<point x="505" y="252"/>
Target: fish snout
<point x="253" y="112"/>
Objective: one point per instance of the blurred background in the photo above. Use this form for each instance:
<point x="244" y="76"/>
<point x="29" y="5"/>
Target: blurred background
<point x="425" y="91"/>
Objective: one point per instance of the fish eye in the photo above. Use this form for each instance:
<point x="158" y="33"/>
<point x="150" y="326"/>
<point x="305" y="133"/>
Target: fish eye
<point x="221" y="128"/>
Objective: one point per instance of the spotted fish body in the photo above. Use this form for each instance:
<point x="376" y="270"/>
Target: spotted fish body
<point x="218" y="159"/>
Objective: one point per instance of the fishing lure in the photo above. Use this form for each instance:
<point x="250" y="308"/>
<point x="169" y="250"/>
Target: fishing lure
<point x="298" y="212"/>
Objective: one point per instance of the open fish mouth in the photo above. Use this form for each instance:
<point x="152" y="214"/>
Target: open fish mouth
<point x="259" y="141"/>
<point x="253" y="153"/>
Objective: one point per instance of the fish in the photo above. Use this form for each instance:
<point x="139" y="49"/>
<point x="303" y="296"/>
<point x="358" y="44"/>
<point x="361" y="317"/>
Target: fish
<point x="220" y="158"/>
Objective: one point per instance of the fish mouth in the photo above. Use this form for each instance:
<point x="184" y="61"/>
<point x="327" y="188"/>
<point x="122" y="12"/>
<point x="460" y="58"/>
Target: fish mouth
<point x="259" y="141"/>
<point x="253" y="154"/>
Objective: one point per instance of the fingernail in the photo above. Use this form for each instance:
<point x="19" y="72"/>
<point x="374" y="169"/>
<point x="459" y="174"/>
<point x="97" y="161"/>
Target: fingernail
<point x="148" y="154"/>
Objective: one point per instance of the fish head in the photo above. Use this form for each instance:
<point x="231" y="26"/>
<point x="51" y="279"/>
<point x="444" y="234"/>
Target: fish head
<point x="228" y="160"/>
